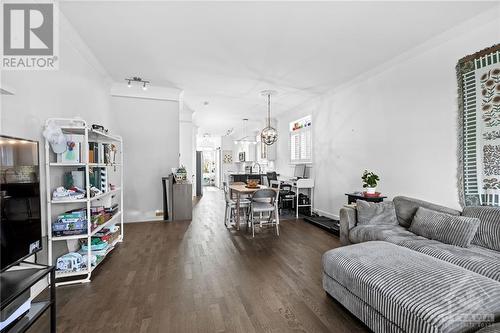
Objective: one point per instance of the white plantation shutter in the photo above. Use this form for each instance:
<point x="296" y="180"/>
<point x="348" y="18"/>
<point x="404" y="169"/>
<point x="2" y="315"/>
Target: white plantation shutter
<point x="305" y="146"/>
<point x="301" y="146"/>
<point x="295" y="146"/>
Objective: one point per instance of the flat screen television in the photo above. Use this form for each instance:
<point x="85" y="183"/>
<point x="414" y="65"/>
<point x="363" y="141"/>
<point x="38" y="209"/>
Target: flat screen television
<point x="21" y="224"/>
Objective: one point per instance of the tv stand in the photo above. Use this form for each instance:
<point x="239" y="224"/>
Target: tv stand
<point x="14" y="283"/>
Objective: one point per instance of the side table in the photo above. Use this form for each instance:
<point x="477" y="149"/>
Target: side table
<point x="16" y="282"/>
<point x="352" y="197"/>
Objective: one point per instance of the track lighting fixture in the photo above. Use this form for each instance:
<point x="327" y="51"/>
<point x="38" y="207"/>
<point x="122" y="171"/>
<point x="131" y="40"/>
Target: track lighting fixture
<point x="136" y="79"/>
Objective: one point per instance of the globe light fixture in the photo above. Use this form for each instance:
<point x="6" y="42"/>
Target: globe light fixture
<point x="269" y="135"/>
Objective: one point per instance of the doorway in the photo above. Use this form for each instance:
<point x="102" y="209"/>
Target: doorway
<point x="209" y="168"/>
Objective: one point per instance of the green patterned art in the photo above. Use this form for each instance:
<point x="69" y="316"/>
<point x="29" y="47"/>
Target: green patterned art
<point x="478" y="78"/>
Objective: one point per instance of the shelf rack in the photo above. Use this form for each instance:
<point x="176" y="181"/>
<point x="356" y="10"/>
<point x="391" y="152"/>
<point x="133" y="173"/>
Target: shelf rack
<point x="80" y="127"/>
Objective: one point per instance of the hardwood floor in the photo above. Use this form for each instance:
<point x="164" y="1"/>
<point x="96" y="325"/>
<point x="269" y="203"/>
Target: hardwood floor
<point x="201" y="277"/>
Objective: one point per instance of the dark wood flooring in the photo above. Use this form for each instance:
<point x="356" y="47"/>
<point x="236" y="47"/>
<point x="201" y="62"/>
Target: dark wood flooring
<point x="201" y="277"/>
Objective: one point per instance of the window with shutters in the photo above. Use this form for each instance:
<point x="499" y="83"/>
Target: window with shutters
<point x="301" y="140"/>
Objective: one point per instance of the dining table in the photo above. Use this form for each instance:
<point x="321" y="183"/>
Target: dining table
<point x="244" y="190"/>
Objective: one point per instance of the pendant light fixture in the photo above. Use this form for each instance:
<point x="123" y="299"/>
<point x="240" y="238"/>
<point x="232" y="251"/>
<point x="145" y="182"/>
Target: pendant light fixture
<point x="246" y="138"/>
<point x="269" y="135"/>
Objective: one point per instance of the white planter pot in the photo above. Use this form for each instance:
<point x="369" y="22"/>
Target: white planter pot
<point x="370" y="190"/>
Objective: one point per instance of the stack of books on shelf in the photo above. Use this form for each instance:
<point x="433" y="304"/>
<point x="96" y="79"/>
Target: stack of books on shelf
<point x="109" y="235"/>
<point x="101" y="214"/>
<point x="99" y="152"/>
<point x="70" y="223"/>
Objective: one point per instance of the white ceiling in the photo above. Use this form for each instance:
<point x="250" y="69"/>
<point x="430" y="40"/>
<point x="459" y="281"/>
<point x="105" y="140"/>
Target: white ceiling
<point x="227" y="52"/>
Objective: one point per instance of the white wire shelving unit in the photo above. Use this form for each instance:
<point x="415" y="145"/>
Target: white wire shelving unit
<point x="80" y="127"/>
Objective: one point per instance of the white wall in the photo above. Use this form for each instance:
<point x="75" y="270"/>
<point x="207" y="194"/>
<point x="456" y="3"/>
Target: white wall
<point x="150" y="131"/>
<point x="80" y="88"/>
<point x="187" y="141"/>
<point x="400" y="121"/>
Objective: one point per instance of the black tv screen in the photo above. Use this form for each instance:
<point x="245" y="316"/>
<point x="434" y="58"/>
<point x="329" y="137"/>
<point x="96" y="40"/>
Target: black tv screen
<point x="20" y="225"/>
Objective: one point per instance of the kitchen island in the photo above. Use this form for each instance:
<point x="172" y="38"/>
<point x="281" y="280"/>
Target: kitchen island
<point x="233" y="177"/>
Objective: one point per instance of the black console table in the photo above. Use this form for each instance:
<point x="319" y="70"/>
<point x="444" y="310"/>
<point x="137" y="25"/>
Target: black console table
<point x="16" y="282"/>
<point x="352" y="197"/>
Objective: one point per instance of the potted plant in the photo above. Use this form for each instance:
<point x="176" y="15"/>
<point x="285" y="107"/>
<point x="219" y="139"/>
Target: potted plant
<point x="370" y="181"/>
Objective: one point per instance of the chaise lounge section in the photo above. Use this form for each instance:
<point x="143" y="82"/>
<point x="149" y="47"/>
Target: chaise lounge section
<point x="397" y="281"/>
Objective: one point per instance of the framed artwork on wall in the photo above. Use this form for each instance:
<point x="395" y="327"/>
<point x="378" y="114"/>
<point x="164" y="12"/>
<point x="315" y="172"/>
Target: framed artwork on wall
<point x="227" y="157"/>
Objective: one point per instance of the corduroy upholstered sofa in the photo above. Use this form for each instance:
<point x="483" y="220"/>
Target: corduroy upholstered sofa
<point x="396" y="281"/>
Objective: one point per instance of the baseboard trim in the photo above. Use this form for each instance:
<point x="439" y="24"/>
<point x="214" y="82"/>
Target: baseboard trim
<point x="325" y="213"/>
<point x="146" y="219"/>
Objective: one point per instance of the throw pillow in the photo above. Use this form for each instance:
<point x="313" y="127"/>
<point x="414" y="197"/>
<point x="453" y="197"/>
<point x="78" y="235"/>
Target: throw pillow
<point x="449" y="229"/>
<point x="370" y="213"/>
<point x="488" y="233"/>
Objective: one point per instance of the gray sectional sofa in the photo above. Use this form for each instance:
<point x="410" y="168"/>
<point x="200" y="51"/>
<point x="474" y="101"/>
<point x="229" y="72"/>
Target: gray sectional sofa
<point x="397" y="281"/>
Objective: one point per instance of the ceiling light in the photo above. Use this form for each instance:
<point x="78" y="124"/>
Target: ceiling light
<point x="139" y="81"/>
<point x="246" y="138"/>
<point x="269" y="135"/>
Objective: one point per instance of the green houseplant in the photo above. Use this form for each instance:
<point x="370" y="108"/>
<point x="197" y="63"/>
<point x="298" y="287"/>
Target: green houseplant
<point x="370" y="181"/>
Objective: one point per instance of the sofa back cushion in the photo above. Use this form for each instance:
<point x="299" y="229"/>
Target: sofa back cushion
<point x="449" y="229"/>
<point x="370" y="213"/>
<point x="488" y="233"/>
<point x="407" y="207"/>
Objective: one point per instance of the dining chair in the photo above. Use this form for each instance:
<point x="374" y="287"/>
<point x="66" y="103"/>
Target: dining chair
<point x="231" y="206"/>
<point x="286" y="198"/>
<point x="276" y="185"/>
<point x="272" y="176"/>
<point x="264" y="201"/>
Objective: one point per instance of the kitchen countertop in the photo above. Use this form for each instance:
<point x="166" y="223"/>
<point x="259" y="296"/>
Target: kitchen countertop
<point x="246" y="173"/>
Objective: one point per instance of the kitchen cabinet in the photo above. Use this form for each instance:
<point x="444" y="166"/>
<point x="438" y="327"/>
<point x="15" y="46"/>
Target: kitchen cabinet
<point x="248" y="148"/>
<point x="240" y="177"/>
